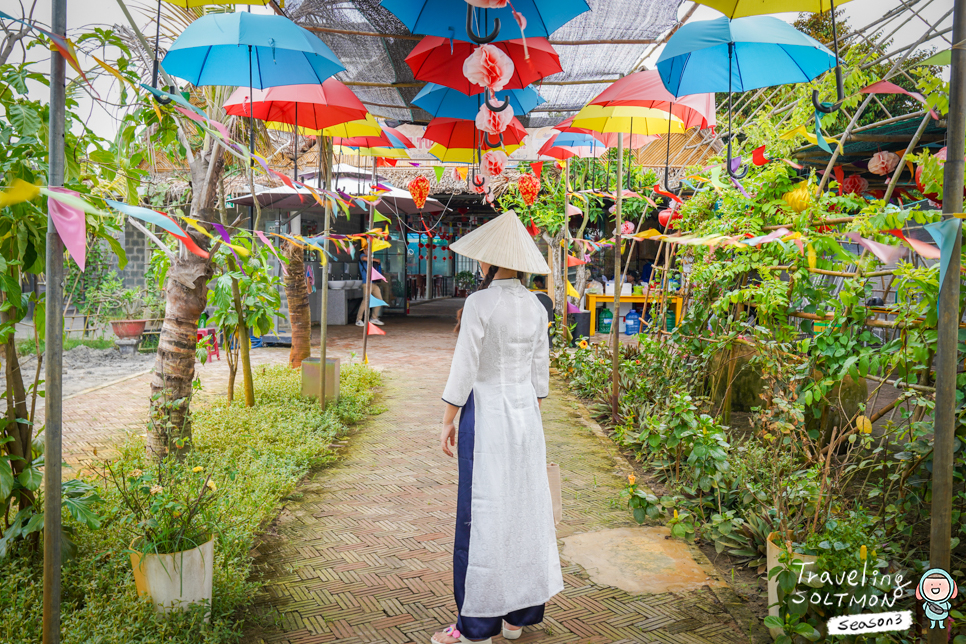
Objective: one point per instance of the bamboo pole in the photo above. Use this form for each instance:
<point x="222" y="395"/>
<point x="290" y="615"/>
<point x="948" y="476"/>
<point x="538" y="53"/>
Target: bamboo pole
<point x="326" y="149"/>
<point x="902" y="161"/>
<point x="615" y="323"/>
<point x="367" y="294"/>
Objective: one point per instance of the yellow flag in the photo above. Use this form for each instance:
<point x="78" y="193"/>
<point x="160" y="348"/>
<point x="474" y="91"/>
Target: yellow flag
<point x="18" y="192"/>
<point x="812" y="259"/>
<point x="379" y="244"/>
<point x="571" y="291"/>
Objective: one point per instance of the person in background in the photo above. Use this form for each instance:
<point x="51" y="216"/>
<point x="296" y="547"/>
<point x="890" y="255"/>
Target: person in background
<point x="646" y="270"/>
<point x="539" y="283"/>
<point x="374" y="316"/>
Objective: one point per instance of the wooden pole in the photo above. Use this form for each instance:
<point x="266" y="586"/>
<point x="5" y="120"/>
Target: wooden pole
<point x="367" y="294"/>
<point x="326" y="149"/>
<point x="615" y="322"/>
<point x="566" y="242"/>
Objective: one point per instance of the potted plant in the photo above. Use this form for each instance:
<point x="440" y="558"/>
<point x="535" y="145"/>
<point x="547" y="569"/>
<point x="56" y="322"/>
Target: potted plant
<point x="465" y="281"/>
<point x="128" y="314"/>
<point x="172" y="511"/>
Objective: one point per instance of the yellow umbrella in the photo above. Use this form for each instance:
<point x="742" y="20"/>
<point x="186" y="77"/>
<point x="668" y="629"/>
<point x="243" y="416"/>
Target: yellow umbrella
<point x="351" y="129"/>
<point x="387" y="153"/>
<point x="742" y="8"/>
<point x="464" y="155"/>
<point x="628" y="119"/>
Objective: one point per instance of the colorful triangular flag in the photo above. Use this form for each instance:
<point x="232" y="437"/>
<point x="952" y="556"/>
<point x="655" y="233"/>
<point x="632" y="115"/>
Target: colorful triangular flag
<point x="376" y="275"/>
<point x="374" y="330"/>
<point x="439" y="172"/>
<point x="375" y="302"/>
<point x="573" y="261"/>
<point x="571" y="291"/>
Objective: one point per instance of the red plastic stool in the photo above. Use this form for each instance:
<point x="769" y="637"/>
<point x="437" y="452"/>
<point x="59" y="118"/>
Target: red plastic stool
<point x="213" y="347"/>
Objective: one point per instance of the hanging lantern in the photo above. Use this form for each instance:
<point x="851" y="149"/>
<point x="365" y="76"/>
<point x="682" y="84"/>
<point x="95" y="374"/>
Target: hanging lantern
<point x="493" y="163"/>
<point x="883" y="162"/>
<point x="666" y="217"/>
<point x="419" y="189"/>
<point x="854" y="185"/>
<point x="798" y="198"/>
<point x="529" y="187"/>
<point x="627" y="228"/>
<point x="493" y="122"/>
<point x="488" y="67"/>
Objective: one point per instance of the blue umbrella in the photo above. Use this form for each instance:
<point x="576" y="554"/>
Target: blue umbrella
<point x="446" y="18"/>
<point x="725" y="55"/>
<point x="440" y="100"/>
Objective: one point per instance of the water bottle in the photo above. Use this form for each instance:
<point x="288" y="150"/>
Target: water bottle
<point x="632" y="322"/>
<point x="604" y="320"/>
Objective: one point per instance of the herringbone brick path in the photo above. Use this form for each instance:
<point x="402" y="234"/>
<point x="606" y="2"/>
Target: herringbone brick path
<point x="364" y="554"/>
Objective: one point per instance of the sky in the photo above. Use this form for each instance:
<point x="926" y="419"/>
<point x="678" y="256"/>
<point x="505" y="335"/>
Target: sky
<point x="86" y="14"/>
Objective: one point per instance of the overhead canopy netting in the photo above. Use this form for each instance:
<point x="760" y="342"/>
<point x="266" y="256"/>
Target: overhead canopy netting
<point x="610" y="38"/>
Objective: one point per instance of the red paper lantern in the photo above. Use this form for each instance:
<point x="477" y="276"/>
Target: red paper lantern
<point x="529" y="187"/>
<point x="419" y="189"/>
<point x="665" y="217"/>
<point x="854" y="185"/>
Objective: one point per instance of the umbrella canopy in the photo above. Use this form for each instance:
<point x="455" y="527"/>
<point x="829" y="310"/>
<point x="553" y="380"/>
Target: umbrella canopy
<point x="249" y="50"/>
<point x="448" y="18"/>
<point x="396" y="200"/>
<point x="192" y="4"/>
<point x="464" y="155"/>
<point x="397" y="138"/>
<point x="314" y="106"/>
<point x="744" y="8"/>
<point x="628" y="119"/>
<point x="646" y="89"/>
<point x="363" y="127"/>
<point x="440" y="60"/>
<point x="759" y="52"/>
<point x="461" y="133"/>
<point x="447" y="102"/>
<point x="571" y="144"/>
<point x="631" y="141"/>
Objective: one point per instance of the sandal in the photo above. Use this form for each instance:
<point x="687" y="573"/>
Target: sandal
<point x="511" y="634"/>
<point x="455" y="634"/>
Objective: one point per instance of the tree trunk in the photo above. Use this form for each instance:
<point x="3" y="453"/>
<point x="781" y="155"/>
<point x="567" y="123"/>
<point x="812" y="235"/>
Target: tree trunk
<point x="244" y="344"/>
<point x="559" y="279"/>
<point x="20" y="446"/>
<point x="298" y="307"/>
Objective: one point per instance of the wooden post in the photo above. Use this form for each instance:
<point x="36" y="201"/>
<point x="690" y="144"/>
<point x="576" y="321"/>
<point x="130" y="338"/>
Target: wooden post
<point x="325" y="148"/>
<point x="615" y="324"/>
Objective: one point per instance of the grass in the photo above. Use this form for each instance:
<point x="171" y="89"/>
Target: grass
<point x="28" y="347"/>
<point x="258" y="455"/>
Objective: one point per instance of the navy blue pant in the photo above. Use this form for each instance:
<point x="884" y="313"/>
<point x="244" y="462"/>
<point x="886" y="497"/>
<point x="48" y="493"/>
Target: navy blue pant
<point x="475" y="628"/>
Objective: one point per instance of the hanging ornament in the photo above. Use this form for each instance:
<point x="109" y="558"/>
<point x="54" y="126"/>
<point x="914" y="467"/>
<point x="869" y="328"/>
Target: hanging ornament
<point x="480" y="184"/>
<point x="854" y="185"/>
<point x="493" y="163"/>
<point x="799" y="198"/>
<point x="529" y="187"/>
<point x="488" y="4"/>
<point x="627" y="228"/>
<point x="419" y="189"/>
<point x="488" y="67"/>
<point x="883" y="162"/>
<point x="533" y="229"/>
<point x="666" y="217"/>
<point x="493" y="122"/>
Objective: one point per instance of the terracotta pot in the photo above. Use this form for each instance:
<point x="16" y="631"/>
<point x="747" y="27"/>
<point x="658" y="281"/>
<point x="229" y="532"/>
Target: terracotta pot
<point x="177" y="580"/>
<point x="125" y="329"/>
<point x="773" y="551"/>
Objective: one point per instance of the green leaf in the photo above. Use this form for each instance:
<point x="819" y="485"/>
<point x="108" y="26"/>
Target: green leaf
<point x="81" y="510"/>
<point x="773" y="622"/>
<point x="31" y="478"/>
<point x="118" y="250"/>
<point x="6" y="478"/>
<point x="640" y="514"/>
<point x="26" y="121"/>
<point x="101" y="156"/>
<point x="36" y="524"/>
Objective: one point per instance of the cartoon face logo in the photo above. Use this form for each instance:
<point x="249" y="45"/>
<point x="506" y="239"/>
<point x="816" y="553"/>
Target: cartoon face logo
<point x="936" y="590"/>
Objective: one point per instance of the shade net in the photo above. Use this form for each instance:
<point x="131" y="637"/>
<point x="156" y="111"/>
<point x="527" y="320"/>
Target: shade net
<point x="382" y="60"/>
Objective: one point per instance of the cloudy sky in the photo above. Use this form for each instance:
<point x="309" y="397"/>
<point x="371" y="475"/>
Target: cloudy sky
<point x="86" y="14"/>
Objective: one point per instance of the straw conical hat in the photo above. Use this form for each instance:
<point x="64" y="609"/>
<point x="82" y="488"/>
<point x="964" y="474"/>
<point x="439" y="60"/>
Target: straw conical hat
<point x="503" y="242"/>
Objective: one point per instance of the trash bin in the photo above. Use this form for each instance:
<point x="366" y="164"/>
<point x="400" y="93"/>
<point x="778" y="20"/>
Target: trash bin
<point x="581" y="324"/>
<point x="310" y="378"/>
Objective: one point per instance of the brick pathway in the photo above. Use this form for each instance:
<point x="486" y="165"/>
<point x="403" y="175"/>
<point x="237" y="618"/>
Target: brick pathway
<point x="364" y="553"/>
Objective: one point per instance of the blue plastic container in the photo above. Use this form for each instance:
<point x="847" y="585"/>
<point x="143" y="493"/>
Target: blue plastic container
<point x="632" y="322"/>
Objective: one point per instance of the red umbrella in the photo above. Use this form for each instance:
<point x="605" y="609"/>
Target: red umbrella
<point x="440" y="60"/>
<point x="646" y="89"/>
<point x="310" y="106"/>
<point x="631" y="141"/>
<point x="552" y="148"/>
<point x="462" y="133"/>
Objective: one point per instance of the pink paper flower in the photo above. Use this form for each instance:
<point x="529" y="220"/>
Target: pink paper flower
<point x="493" y="163"/>
<point x="488" y="4"/>
<point x="883" y="162"/>
<point x="627" y="228"/>
<point x="494" y="122"/>
<point x="489" y="67"/>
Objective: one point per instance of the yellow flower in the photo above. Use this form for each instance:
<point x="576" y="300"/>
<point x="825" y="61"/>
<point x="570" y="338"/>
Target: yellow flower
<point x="211" y="485"/>
<point x="582" y="344"/>
<point x="631" y="478"/>
<point x="863" y="553"/>
<point x="197" y="469"/>
<point x="675" y="514"/>
<point x="156" y="489"/>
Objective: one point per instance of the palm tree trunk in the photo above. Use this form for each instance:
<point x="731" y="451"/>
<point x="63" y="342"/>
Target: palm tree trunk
<point x="298" y="307"/>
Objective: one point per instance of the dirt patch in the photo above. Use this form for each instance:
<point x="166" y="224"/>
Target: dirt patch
<point x="85" y="368"/>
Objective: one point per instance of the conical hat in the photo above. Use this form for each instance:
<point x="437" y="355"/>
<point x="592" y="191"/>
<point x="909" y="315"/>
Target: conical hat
<point x="503" y="242"/>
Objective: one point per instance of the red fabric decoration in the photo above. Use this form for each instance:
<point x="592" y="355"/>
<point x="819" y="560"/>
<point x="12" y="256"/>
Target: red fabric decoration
<point x="758" y="156"/>
<point x="419" y="188"/>
<point x="839" y="177"/>
<point x="537" y="168"/>
<point x="529" y="187"/>
<point x="657" y="189"/>
<point x="374" y="330"/>
<point x="532" y="228"/>
<point x="573" y="261"/>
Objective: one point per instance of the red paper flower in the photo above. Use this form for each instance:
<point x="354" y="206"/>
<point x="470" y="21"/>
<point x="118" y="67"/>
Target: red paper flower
<point x="488" y="4"/>
<point x="488" y="67"/>
<point x="883" y="162"/>
<point x="627" y="228"/>
<point x="854" y="185"/>
<point x="493" y="122"/>
<point x="529" y="187"/>
<point x="419" y="189"/>
<point x="493" y="164"/>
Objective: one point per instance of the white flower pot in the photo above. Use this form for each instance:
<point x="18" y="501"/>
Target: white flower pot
<point x="771" y="557"/>
<point x="177" y="580"/>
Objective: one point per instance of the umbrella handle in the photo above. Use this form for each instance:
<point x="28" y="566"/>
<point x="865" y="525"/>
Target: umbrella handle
<point x="489" y="144"/>
<point x="164" y="101"/>
<point x="480" y="183"/>
<point x="493" y="107"/>
<point x="731" y="173"/>
<point x="840" y="95"/>
<point x="480" y="40"/>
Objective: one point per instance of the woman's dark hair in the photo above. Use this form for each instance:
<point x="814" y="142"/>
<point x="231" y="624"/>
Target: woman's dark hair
<point x="485" y="284"/>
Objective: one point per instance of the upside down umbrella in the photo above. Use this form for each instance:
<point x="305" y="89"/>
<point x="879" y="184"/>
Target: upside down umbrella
<point x="440" y="100"/>
<point x="631" y="141"/>
<point x="739" y="55"/>
<point x="362" y="127"/>
<point x="449" y="19"/>
<point x="461" y="133"/>
<point x="744" y="8"/>
<point x="464" y="155"/>
<point x="567" y="145"/>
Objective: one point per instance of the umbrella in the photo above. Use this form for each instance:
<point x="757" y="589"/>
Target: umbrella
<point x="396" y="200"/>
<point x="461" y="133"/>
<point x="744" y="8"/>
<point x="387" y="145"/>
<point x="645" y="89"/>
<point x="446" y="18"/>
<point x="439" y="60"/>
<point x="646" y="121"/>
<point x="632" y="142"/>
<point x="397" y="138"/>
<point x="738" y="55"/>
<point x="464" y="155"/>
<point x="363" y="127"/>
<point x="440" y="100"/>
<point x="572" y="144"/>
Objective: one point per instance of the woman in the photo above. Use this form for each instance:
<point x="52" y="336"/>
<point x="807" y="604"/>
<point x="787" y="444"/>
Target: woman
<point x="505" y="560"/>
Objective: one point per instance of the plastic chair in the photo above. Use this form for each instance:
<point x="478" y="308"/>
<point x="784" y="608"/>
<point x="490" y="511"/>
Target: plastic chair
<point x="213" y="346"/>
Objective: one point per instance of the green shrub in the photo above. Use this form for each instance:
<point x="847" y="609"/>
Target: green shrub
<point x="259" y="455"/>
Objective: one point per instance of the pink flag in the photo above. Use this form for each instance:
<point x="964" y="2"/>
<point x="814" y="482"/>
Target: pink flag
<point x="376" y="275"/>
<point x="925" y="249"/>
<point x="764" y="239"/>
<point x="265" y="241"/>
<point x="888" y="254"/>
<point x="885" y="87"/>
<point x="71" y="225"/>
